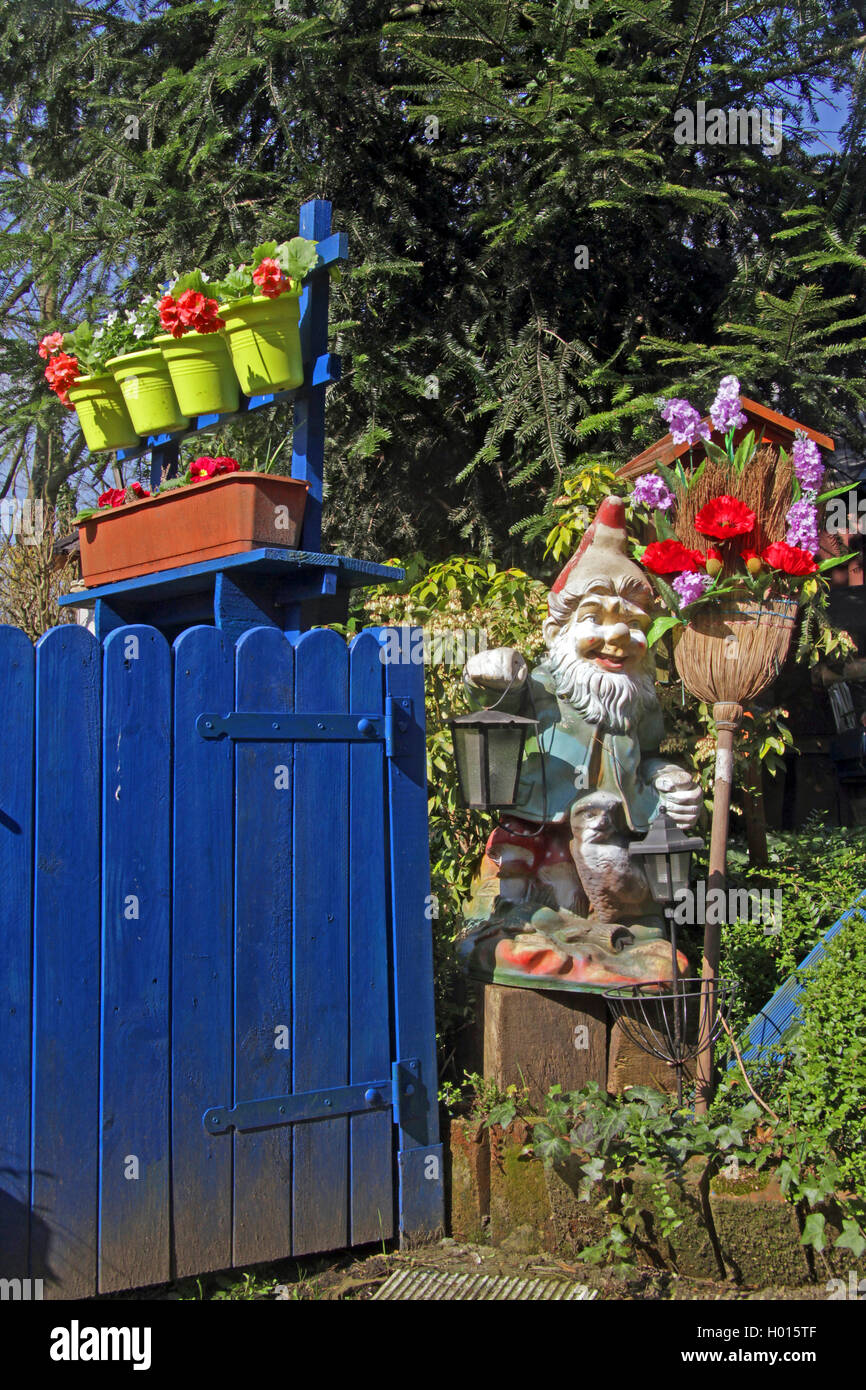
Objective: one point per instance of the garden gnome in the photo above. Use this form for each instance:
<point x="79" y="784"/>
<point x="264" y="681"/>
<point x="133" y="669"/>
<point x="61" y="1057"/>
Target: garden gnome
<point x="558" y="894"/>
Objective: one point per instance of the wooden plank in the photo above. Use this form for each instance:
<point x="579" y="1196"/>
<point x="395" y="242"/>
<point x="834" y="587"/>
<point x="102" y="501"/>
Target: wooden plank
<point x="421" y="1197"/>
<point x="136" y="880"/>
<point x="263" y="951"/>
<point x="17" y="695"/>
<point x="321" y="947"/>
<point x="66" y="956"/>
<point x="372" y="1196"/>
<point x="308" y="440"/>
<point x="202" y="943"/>
<point x="541" y="1038"/>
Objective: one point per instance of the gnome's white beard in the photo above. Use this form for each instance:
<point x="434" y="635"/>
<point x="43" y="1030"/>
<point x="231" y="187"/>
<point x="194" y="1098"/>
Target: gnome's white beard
<point x="616" y="699"/>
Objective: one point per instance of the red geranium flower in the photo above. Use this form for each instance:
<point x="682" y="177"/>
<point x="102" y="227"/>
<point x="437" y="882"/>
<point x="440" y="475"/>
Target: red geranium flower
<point x="269" y="278"/>
<point x="51" y="343"/>
<point x="114" y="497"/>
<point x="207" y="467"/>
<point x="137" y="490"/>
<point x="169" y="316"/>
<point x="670" y="557"/>
<point x="790" y="559"/>
<point x="724" y="517"/>
<point x="61" y="373"/>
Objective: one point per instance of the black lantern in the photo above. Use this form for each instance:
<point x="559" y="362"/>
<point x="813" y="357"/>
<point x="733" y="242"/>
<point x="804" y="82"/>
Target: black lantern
<point x="666" y="853"/>
<point x="489" y="748"/>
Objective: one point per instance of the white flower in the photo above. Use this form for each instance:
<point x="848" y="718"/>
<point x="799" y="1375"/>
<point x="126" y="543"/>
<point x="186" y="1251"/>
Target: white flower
<point x="110" y="319"/>
<point x="98" y="333"/>
<point x="139" y="332"/>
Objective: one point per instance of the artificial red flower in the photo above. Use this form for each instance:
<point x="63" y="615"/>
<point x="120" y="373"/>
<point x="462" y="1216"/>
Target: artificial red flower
<point x="269" y="278"/>
<point x="51" y="343"/>
<point x="169" y="316"/>
<point x="114" y="497"/>
<point x="715" y="561"/>
<point x="790" y="559"/>
<point x="207" y="467"/>
<point x="752" y="560"/>
<point x="670" y="557"/>
<point x="724" y="517"/>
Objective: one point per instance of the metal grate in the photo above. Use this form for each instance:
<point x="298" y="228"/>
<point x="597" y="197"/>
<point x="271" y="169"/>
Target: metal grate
<point x="431" y="1284"/>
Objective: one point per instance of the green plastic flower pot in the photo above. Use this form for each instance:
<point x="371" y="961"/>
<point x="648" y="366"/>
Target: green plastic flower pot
<point x="201" y="371"/>
<point x="265" y="342"/>
<point x="146" y="385"/>
<point x="102" y="413"/>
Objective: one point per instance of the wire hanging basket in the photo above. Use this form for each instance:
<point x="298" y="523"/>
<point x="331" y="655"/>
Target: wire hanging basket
<point x="662" y="1018"/>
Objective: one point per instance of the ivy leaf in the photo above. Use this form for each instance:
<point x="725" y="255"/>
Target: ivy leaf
<point x="502" y="1114"/>
<point x="813" y="1231"/>
<point x="852" y="1238"/>
<point x="594" y="1169"/>
<point x="549" y="1147"/>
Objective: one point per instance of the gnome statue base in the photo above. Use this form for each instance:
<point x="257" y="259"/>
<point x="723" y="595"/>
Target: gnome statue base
<point x="559" y="903"/>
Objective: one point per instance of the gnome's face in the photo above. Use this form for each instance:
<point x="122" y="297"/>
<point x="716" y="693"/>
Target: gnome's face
<point x="609" y="630"/>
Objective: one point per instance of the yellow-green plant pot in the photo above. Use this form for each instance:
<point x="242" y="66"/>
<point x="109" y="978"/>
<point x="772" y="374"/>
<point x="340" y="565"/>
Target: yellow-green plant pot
<point x="265" y="342"/>
<point x="201" y="371"/>
<point x="102" y="413"/>
<point x="146" y="385"/>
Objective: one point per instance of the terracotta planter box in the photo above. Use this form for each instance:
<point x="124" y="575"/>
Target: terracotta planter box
<point x="223" y="516"/>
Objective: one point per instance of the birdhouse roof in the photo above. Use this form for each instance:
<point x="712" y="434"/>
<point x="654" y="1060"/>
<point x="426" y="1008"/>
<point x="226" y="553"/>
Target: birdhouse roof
<point x="777" y="429"/>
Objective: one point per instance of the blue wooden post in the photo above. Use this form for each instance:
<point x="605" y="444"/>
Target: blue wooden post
<point x="16" y="860"/>
<point x="308" y="441"/>
<point x="420" y="1153"/>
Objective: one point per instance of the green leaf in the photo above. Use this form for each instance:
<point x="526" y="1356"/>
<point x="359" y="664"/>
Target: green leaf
<point x="696" y="475"/>
<point x="193" y="280"/>
<point x="664" y="530"/>
<point x="661" y="625"/>
<point x="852" y="1238"/>
<point x="813" y="1231"/>
<point x="835" y="492"/>
<point x="836" y="560"/>
<point x="715" y="453"/>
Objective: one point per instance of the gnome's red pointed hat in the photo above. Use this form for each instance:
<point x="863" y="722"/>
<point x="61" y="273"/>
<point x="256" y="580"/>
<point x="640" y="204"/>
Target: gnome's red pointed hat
<point x="602" y="555"/>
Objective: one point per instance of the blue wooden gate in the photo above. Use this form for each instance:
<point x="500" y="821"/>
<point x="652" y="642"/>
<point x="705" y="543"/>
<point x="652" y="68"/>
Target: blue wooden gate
<point x="215" y="960"/>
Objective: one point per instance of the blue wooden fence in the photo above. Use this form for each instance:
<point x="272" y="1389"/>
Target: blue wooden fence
<point x="195" y="925"/>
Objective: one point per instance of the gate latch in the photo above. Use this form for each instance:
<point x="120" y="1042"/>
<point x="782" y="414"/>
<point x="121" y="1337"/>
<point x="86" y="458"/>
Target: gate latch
<point x="401" y="1093"/>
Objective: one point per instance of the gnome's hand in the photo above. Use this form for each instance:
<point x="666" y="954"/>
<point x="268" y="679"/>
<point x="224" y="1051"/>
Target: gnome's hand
<point x="496" y="669"/>
<point x="680" y="796"/>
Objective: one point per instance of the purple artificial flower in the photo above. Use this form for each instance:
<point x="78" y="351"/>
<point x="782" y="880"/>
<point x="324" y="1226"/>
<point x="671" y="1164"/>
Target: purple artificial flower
<point x="802" y="522"/>
<point x="807" y="462"/>
<point x="652" y="491"/>
<point x="725" y="411"/>
<point x="684" y="422"/>
<point x="691" y="586"/>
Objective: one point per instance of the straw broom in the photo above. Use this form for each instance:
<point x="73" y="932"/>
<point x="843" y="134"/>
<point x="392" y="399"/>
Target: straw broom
<point x="727" y="655"/>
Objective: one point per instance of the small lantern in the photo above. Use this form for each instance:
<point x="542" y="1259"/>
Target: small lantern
<point x="666" y="853"/>
<point x="488" y="746"/>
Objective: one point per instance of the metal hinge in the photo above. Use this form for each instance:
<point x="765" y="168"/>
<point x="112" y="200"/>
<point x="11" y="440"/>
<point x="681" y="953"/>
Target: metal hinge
<point x="389" y="728"/>
<point x="402" y="1093"/>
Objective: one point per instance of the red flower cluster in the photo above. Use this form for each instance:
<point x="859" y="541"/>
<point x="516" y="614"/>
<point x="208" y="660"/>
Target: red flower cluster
<point x="670" y="557"/>
<point x="725" y="517"/>
<point x="790" y="559"/>
<point x="191" y="311"/>
<point x="270" y="278"/>
<point x="61" y="373"/>
<point x="116" y="496"/>
<point x="51" y="343"/>
<point x="207" y="467"/>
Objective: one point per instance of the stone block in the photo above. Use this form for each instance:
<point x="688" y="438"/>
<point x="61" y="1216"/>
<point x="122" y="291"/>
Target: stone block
<point x="469" y="1181"/>
<point x="758" y="1232"/>
<point x="541" y="1038"/>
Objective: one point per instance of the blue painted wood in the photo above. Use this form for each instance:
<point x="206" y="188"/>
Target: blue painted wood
<point x="202" y="953"/>
<point x="66" y="955"/>
<point x="136" y="879"/>
<point x="17" y="694"/>
<point x="371" y="1184"/>
<point x="263" y="952"/>
<point x="240" y="603"/>
<point x="191" y="579"/>
<point x="321" y="947"/>
<point x="421" y="1202"/>
<point x="164" y="461"/>
<point x="308" y="441"/>
<point x="770" y="1025"/>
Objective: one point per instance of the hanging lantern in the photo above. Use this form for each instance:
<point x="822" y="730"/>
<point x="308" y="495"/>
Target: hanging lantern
<point x="666" y="854"/>
<point x="488" y="747"/>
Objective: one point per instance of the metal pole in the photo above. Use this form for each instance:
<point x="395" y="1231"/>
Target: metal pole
<point x="727" y="716"/>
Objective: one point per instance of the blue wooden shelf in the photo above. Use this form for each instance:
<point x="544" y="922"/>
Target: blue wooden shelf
<point x="289" y="589"/>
